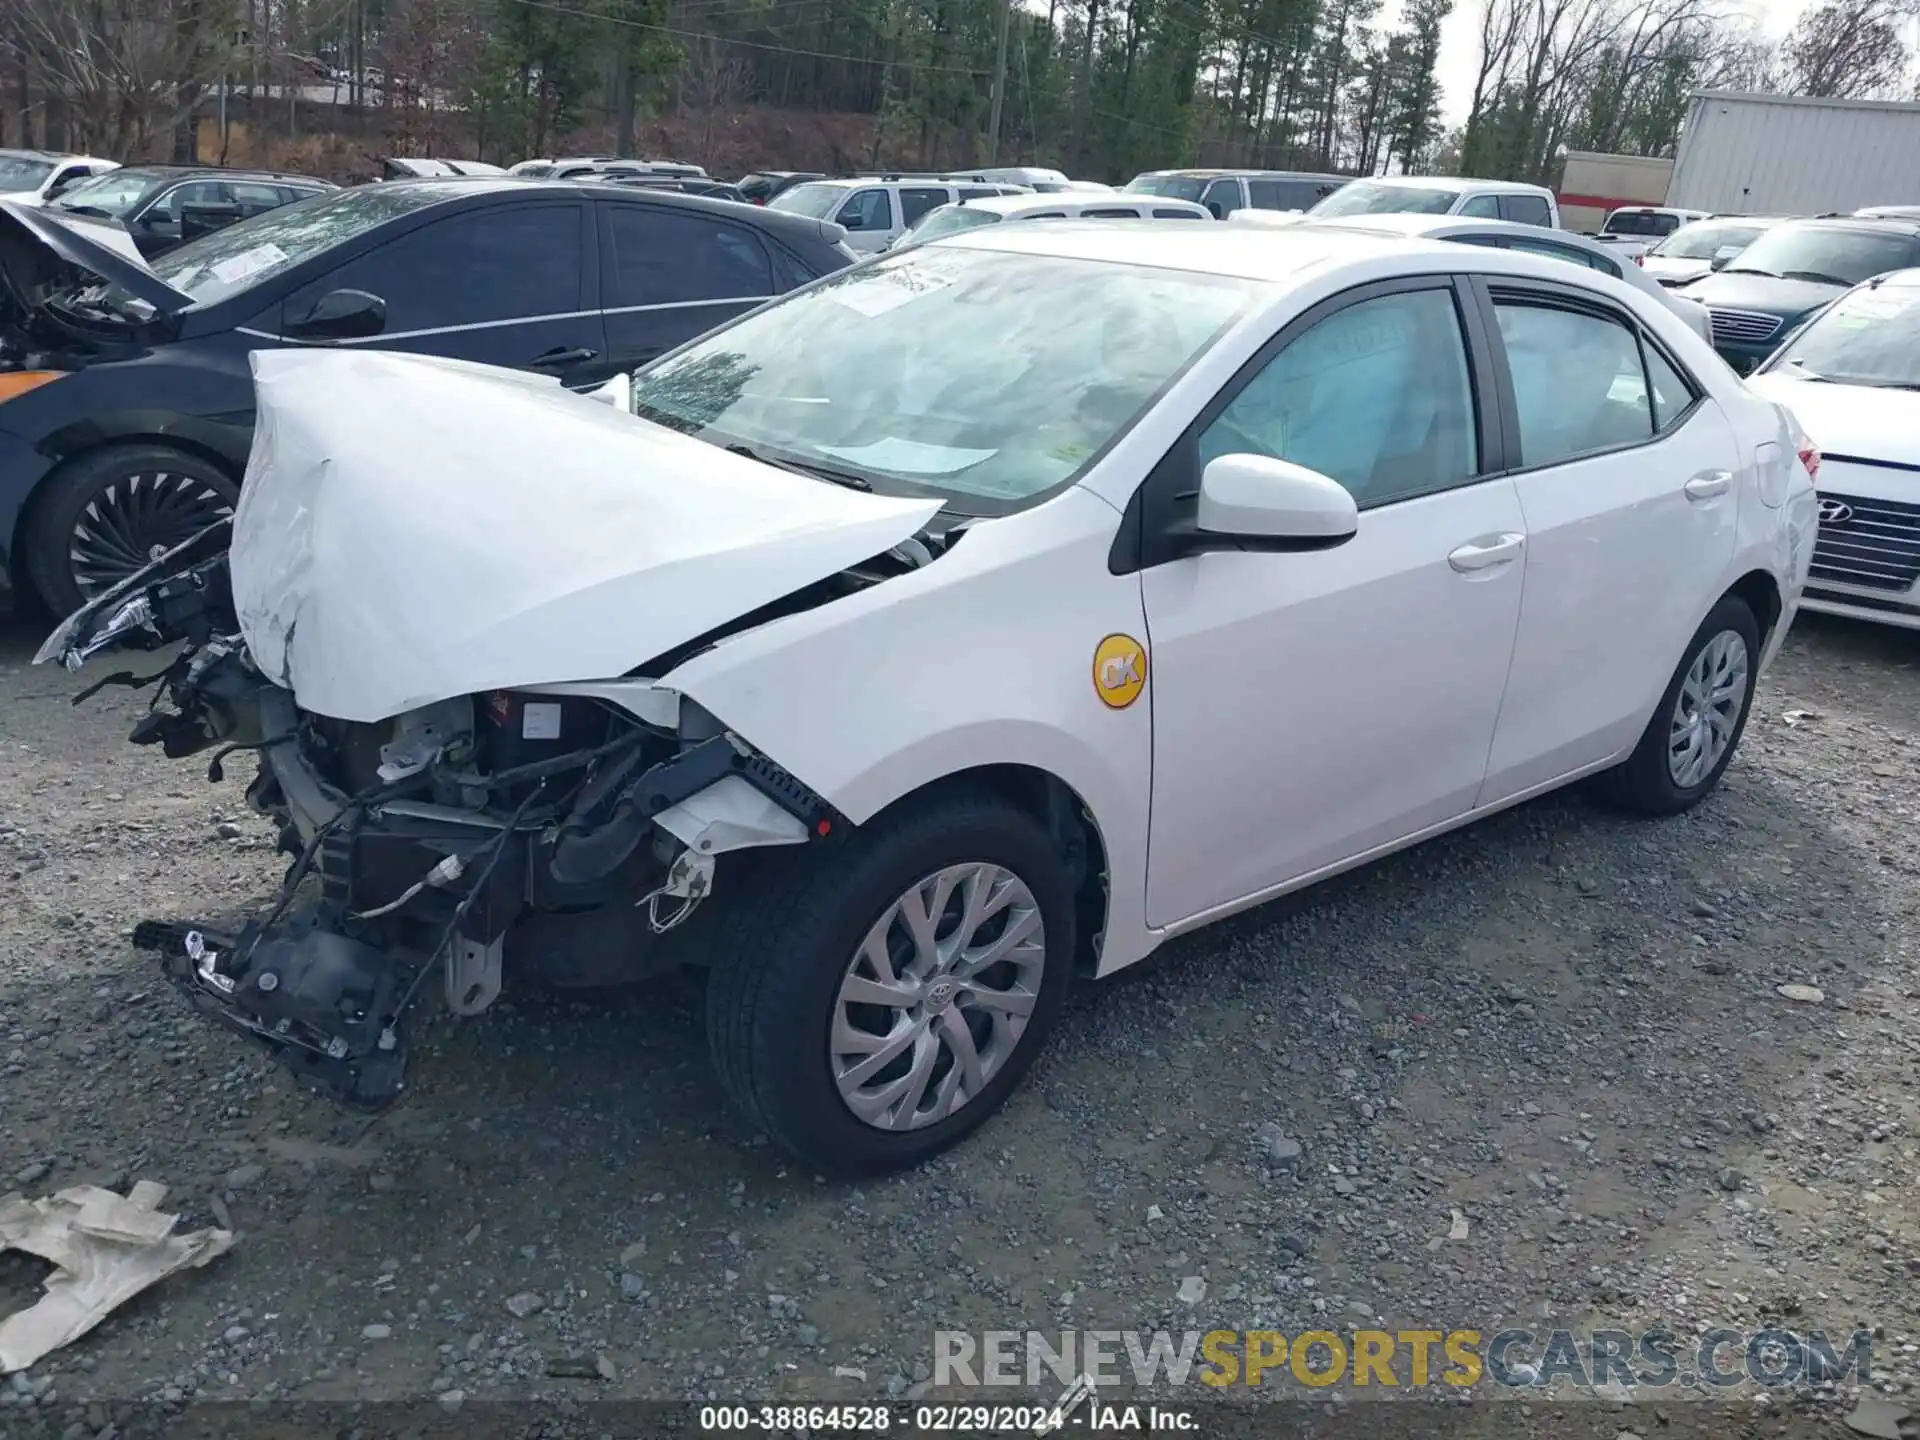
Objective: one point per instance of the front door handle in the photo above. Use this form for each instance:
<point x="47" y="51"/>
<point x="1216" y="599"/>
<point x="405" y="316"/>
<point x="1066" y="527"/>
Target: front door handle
<point x="1709" y="484"/>
<point x="1487" y="552"/>
<point x="564" y="355"/>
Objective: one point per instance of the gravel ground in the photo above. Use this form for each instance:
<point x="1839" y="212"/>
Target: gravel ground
<point x="1561" y="1026"/>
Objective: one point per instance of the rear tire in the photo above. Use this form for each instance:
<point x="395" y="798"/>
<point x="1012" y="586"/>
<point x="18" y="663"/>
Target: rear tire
<point x="798" y="1055"/>
<point x="113" y="510"/>
<point x="1695" y="729"/>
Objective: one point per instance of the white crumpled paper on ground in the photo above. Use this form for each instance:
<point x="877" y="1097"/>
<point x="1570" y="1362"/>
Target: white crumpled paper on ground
<point x="107" y="1248"/>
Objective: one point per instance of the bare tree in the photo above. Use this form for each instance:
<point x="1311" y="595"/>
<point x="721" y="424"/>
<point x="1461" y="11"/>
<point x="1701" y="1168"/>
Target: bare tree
<point x="1849" y="48"/>
<point x="124" y="71"/>
<point x="711" y="84"/>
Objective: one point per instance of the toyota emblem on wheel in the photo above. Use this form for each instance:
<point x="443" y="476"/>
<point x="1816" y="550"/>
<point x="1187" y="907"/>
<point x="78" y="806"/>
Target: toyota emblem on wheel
<point x="1835" y="512"/>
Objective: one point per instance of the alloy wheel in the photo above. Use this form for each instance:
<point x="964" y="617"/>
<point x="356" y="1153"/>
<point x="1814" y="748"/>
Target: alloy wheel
<point x="1706" y="713"/>
<point x="135" y="520"/>
<point x="937" y="997"/>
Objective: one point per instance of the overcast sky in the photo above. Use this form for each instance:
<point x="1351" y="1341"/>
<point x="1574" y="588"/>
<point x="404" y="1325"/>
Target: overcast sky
<point x="1460" y="39"/>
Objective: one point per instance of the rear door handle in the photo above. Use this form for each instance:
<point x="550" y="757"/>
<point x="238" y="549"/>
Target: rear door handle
<point x="564" y="355"/>
<point x="1487" y="552"/>
<point x="1709" y="485"/>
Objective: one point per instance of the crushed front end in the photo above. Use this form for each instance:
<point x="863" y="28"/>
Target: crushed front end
<point x="566" y="829"/>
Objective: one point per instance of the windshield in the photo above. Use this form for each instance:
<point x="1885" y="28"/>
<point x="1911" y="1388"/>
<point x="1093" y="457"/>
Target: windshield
<point x="980" y="377"/>
<point x="1174" y="187"/>
<point x="22" y="172"/>
<point x="114" y="193"/>
<point x="1640" y="222"/>
<point x="1868" y="337"/>
<point x="813" y="200"/>
<point x="1367" y="197"/>
<point x="228" y="261"/>
<point x="947" y="220"/>
<point x="1705" y="241"/>
<point x="1823" y="253"/>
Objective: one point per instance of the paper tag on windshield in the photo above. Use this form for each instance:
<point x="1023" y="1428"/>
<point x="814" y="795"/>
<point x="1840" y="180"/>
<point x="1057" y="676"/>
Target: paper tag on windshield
<point x="879" y="291"/>
<point x="238" y="267"/>
<point x="540" y="720"/>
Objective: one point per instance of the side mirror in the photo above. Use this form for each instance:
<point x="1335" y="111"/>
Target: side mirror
<point x="853" y="220"/>
<point x="341" y="315"/>
<point x="1213" y="208"/>
<point x="1254" y="502"/>
<point x="198" y="220"/>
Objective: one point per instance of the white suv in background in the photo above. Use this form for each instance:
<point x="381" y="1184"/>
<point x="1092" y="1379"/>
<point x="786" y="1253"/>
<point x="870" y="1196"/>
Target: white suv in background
<point x="1443" y="195"/>
<point x="875" y="211"/>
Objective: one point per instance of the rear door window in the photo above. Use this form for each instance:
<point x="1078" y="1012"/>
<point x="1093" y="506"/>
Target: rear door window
<point x="1481" y="207"/>
<point x="1162" y="214"/>
<point x="1112" y="213"/>
<point x="666" y="257"/>
<point x="1264" y="195"/>
<point x="1525" y="210"/>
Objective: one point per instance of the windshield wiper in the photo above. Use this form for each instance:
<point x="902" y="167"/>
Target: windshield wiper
<point x="799" y="467"/>
<point x="1751" y="270"/>
<point x="94" y="210"/>
<point x="1819" y="277"/>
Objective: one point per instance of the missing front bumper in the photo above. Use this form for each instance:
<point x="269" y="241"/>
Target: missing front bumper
<point x="326" y="1005"/>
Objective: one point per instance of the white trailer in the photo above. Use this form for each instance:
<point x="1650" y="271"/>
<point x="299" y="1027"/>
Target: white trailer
<point x="1794" y="155"/>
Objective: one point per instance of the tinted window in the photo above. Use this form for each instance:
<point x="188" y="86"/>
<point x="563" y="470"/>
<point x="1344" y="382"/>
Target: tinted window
<point x="1035" y="215"/>
<point x="489" y="265"/>
<point x="1318" y="402"/>
<point x="978" y="192"/>
<point x="196" y="192"/>
<point x="1671" y="392"/>
<point x="1648" y="223"/>
<point x="1111" y="214"/>
<point x="1482" y="207"/>
<point x="1525" y="209"/>
<point x="1264" y="195"/>
<point x="664" y="256"/>
<point x="1577" y="382"/>
<point x="252" y="197"/>
<point x="917" y="200"/>
<point x="1222" y="197"/>
<point x="1160" y="214"/>
<point x="866" y="210"/>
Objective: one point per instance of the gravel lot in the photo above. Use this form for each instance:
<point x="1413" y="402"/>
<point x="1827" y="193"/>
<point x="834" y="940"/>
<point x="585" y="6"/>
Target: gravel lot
<point x="1561" y="1024"/>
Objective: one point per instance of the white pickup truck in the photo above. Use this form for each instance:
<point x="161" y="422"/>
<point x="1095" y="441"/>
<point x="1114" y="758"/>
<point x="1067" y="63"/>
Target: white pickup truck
<point x="1630" y="230"/>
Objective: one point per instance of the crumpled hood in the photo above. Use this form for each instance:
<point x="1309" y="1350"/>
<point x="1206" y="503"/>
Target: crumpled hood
<point x="53" y="238"/>
<point x="412" y="529"/>
<point x="1850" y="420"/>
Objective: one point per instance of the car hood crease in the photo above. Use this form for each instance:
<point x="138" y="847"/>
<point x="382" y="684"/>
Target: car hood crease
<point x="101" y="247"/>
<point x="411" y="530"/>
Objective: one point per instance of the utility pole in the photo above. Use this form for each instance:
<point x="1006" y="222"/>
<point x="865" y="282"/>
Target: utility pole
<point x="999" y="83"/>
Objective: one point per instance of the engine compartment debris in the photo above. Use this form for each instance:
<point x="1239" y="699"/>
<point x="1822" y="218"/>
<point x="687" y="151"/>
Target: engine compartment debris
<point x="107" y="1248"/>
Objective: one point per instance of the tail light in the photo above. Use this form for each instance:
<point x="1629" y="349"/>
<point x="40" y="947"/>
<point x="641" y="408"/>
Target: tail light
<point x="1810" y="457"/>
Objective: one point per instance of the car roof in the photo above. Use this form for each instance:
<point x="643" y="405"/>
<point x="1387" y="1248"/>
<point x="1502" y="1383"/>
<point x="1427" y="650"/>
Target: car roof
<point x="1019" y="204"/>
<point x="1458" y="183"/>
<point x="1249" y="252"/>
<point x="213" y="172"/>
<point x="1888" y="225"/>
<point x="1397" y="222"/>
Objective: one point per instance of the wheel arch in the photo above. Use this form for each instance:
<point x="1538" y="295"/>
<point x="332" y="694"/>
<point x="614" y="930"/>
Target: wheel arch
<point x="1065" y="815"/>
<point x="28" y="514"/>
<point x="1761" y="592"/>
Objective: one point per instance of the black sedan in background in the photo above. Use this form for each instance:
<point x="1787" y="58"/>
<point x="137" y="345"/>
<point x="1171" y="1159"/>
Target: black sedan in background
<point x="126" y="402"/>
<point x="163" y="206"/>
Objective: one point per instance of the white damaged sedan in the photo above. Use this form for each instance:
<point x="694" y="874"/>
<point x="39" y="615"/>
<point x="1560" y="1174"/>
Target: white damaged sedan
<point x="977" y="618"/>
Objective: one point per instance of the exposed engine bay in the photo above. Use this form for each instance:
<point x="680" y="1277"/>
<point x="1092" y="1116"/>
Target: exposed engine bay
<point x="566" y="830"/>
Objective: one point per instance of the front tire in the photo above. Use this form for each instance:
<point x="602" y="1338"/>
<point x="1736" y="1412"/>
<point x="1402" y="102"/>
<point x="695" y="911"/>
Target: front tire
<point x="1698" y="723"/>
<point x="114" y="510"/>
<point x="871" y="1003"/>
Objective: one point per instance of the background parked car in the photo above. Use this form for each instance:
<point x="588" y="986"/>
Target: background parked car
<point x="1225" y="191"/>
<point x="130" y="430"/>
<point x="1851" y="375"/>
<point x="398" y="167"/>
<point x="1790" y="272"/>
<point x="760" y="186"/>
<point x="969" y="214"/>
<point x="1444" y="195"/>
<point x="166" y="205"/>
<point x="33" y="177"/>
<point x="1629" y="230"/>
<point x="873" y="211"/>
<point x="1699" y="249"/>
<point x="1528" y="240"/>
